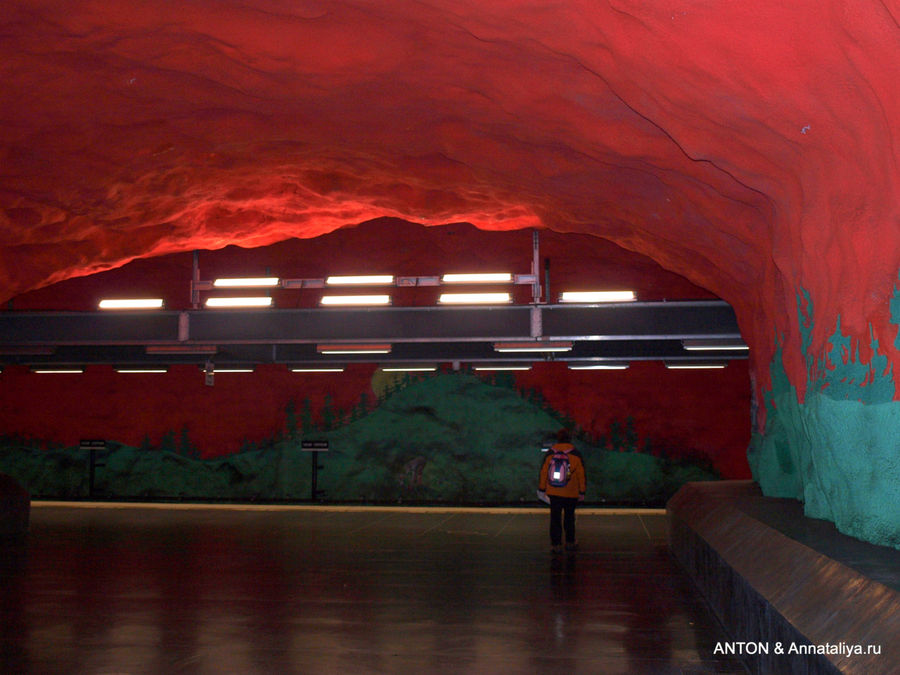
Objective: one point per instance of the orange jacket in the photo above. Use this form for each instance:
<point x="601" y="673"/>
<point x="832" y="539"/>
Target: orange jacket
<point x="577" y="479"/>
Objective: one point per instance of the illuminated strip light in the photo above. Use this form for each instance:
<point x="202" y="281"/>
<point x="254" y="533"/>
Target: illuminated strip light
<point x="354" y="349"/>
<point x="501" y="367"/>
<point x="142" y="370"/>
<point x="361" y="280"/>
<point x="250" y="301"/>
<point x="513" y="347"/>
<point x="714" y="345"/>
<point x="489" y="278"/>
<point x="695" y="366"/>
<point x="598" y="366"/>
<point x="597" y="296"/>
<point x="343" y="300"/>
<point x="300" y="369"/>
<point x="217" y="370"/>
<point x="247" y="282"/>
<point x="474" y="298"/>
<point x="409" y="369"/>
<point x="131" y="303"/>
<point x="58" y="371"/>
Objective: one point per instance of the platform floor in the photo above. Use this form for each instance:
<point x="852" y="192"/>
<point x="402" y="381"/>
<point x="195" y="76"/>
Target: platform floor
<point x="211" y="590"/>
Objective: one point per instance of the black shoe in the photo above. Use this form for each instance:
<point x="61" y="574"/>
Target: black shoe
<point x="572" y="546"/>
<point x="557" y="548"/>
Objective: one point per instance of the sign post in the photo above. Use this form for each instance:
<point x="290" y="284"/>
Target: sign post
<point x="93" y="447"/>
<point x="314" y="448"/>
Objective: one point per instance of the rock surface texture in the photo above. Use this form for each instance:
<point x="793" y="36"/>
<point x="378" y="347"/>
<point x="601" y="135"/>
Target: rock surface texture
<point x="748" y="147"/>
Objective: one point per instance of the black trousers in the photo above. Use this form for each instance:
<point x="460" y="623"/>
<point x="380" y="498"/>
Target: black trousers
<point x="562" y="514"/>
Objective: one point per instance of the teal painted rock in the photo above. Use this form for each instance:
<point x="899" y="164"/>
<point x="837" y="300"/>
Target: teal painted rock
<point x="839" y="451"/>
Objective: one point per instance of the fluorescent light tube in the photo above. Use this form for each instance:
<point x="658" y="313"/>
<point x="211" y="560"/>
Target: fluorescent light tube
<point x="501" y="367"/>
<point x="247" y="282"/>
<point x="316" y="370"/>
<point x="361" y="280"/>
<point x="489" y="278"/>
<point x="343" y="300"/>
<point x="217" y="370"/>
<point x="354" y="349"/>
<point x="259" y="301"/>
<point x="58" y="371"/>
<point x="409" y="369"/>
<point x="714" y="345"/>
<point x="142" y="370"/>
<point x="597" y="296"/>
<point x="532" y="346"/>
<point x="598" y="366"/>
<point x="473" y="298"/>
<point x="694" y="366"/>
<point x="131" y="303"/>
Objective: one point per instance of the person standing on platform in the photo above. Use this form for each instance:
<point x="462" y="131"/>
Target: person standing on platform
<point x="563" y="481"/>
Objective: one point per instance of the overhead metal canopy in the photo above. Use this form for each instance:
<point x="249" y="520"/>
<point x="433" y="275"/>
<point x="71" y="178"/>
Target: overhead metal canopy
<point x="599" y="332"/>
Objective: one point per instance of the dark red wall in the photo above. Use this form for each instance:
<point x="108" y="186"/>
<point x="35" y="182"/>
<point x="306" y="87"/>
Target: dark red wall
<point x="680" y="411"/>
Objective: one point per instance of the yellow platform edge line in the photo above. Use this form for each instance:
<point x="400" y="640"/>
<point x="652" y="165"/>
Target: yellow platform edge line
<point x="592" y="511"/>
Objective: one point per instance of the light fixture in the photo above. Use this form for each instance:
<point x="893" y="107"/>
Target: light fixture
<point x="361" y="280"/>
<point x="247" y="282"/>
<point x="344" y="300"/>
<point x="354" y="349"/>
<point x="501" y="367"/>
<point x="473" y="298"/>
<point x="729" y="344"/>
<point x="58" y="371"/>
<point x="532" y="346"/>
<point x="221" y="369"/>
<point x="598" y="366"/>
<point x="597" y="296"/>
<point x="131" y="303"/>
<point x="696" y="365"/>
<point x="312" y="369"/>
<point x="141" y="370"/>
<point x="409" y="369"/>
<point x="181" y="349"/>
<point x="248" y="301"/>
<point x="489" y="278"/>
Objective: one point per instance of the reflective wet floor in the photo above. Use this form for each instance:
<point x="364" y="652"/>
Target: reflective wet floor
<point x="212" y="590"/>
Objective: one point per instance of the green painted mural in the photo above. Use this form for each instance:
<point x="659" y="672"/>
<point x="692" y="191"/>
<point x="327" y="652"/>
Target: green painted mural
<point x="839" y="450"/>
<point x="446" y="438"/>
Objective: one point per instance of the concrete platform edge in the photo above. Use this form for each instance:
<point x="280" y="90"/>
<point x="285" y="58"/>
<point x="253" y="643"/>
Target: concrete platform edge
<point x="583" y="511"/>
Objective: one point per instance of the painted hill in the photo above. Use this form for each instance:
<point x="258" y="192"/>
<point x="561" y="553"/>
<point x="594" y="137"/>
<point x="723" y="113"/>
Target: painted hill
<point x="450" y="438"/>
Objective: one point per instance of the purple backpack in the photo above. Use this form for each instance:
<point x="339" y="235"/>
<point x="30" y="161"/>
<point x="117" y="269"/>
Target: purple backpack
<point x="560" y="470"/>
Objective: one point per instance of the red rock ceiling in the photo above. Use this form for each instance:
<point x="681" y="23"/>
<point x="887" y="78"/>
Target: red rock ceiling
<point x="747" y="146"/>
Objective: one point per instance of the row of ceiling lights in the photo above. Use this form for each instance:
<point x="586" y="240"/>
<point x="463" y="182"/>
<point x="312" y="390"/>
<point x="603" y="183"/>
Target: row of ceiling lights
<point x="366" y="299"/>
<point x="386" y="369"/>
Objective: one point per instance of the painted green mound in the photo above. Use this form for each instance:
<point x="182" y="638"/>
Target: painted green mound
<point x="450" y="438"/>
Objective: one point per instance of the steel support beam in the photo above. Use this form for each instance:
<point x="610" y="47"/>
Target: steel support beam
<point x="642" y="330"/>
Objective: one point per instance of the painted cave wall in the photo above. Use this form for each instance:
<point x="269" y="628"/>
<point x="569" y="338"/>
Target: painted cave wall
<point x="749" y="147"/>
<point x="674" y="414"/>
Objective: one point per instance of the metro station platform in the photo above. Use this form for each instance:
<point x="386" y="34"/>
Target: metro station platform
<point x="106" y="588"/>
